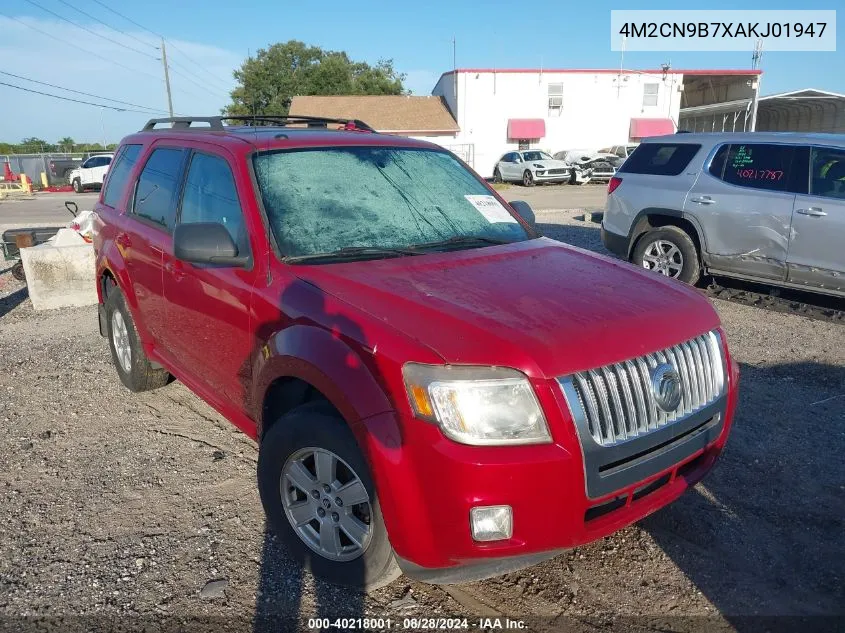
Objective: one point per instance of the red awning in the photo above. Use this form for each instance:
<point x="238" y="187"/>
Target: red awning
<point x="526" y="128"/>
<point x="642" y="128"/>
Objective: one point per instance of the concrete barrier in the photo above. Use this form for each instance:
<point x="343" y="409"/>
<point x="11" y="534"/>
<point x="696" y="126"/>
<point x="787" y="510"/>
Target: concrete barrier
<point x="60" y="276"/>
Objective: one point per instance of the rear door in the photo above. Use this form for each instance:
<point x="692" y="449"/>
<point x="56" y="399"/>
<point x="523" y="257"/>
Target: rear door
<point x="208" y="307"/>
<point x="507" y="167"/>
<point x="817" y="250"/>
<point x="743" y="202"/>
<point x="152" y="215"/>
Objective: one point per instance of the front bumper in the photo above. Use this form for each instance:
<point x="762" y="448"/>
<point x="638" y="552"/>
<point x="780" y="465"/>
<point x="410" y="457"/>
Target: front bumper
<point x="427" y="485"/>
<point x="552" y="177"/>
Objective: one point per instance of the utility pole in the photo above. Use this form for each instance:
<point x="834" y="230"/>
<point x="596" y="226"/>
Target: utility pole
<point x="756" y="60"/>
<point x="166" y="77"/>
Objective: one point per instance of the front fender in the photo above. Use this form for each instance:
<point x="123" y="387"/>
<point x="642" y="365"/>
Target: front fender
<point x="325" y="361"/>
<point x="110" y="262"/>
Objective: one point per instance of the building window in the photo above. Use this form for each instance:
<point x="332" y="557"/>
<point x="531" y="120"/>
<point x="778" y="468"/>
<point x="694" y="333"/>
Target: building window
<point x="524" y="143"/>
<point x="650" y="94"/>
<point x="555" y="99"/>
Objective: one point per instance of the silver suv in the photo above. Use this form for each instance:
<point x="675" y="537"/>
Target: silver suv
<point x="758" y="206"/>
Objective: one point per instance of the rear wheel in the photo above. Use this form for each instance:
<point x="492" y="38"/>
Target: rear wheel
<point x="668" y="250"/>
<point x="18" y="272"/>
<point x="320" y="499"/>
<point x="528" y="178"/>
<point x="135" y="370"/>
<point x="497" y="175"/>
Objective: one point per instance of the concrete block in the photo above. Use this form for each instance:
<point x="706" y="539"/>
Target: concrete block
<point x="60" y="276"/>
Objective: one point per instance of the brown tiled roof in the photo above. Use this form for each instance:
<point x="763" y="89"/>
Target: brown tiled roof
<point x="403" y="114"/>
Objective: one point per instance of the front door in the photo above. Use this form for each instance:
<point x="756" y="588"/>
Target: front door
<point x="816" y="254"/>
<point x="743" y="204"/>
<point x="208" y="307"/>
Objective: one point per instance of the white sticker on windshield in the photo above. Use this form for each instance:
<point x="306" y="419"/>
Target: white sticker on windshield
<point x="491" y="209"/>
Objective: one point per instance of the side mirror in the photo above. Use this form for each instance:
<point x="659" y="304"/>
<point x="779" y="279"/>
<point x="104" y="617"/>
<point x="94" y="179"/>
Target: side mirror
<point x="524" y="210"/>
<point x="206" y="243"/>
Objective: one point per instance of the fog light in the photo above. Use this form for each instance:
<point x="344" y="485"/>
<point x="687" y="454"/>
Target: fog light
<point x="491" y="523"/>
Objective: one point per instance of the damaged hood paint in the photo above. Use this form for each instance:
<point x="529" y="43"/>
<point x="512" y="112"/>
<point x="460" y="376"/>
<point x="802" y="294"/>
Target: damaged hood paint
<point x="554" y="308"/>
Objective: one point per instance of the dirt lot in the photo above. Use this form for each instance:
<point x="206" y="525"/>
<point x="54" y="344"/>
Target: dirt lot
<point x="119" y="505"/>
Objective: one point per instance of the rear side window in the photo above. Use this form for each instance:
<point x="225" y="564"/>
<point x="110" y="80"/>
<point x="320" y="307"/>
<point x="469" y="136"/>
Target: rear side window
<point x="155" y="195"/>
<point x="660" y="159"/>
<point x="119" y="174"/>
<point x="758" y="166"/>
<point x="211" y="196"/>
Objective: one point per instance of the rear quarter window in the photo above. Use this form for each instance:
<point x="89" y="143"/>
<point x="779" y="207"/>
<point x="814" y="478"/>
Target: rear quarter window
<point x="660" y="159"/>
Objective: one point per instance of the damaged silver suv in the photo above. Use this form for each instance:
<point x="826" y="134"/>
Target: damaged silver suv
<point x="763" y="207"/>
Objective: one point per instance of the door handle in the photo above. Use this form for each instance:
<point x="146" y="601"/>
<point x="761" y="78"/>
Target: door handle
<point x="123" y="240"/>
<point x="703" y="200"/>
<point x="816" y="212"/>
<point x="174" y="269"/>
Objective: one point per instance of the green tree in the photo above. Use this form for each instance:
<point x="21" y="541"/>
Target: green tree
<point x="35" y="145"/>
<point x="268" y="81"/>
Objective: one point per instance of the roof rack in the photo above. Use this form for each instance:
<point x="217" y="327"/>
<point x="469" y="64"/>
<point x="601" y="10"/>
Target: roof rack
<point x="215" y="123"/>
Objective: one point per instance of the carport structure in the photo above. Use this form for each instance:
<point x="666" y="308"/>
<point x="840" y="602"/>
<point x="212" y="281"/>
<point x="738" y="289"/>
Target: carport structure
<point x="807" y="110"/>
<point x="719" y="101"/>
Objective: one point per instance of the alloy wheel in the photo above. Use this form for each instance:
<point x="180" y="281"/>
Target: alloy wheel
<point x="327" y="504"/>
<point x="120" y="339"/>
<point x="662" y="256"/>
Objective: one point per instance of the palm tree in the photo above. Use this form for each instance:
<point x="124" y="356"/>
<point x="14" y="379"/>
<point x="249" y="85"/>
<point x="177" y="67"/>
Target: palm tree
<point x="66" y="144"/>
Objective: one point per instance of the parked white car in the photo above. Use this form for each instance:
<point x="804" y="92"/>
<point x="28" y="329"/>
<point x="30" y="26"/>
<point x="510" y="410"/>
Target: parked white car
<point x="529" y="167"/>
<point x="91" y="173"/>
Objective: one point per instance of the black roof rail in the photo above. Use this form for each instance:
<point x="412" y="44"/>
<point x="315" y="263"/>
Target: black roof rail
<point x="215" y="123"/>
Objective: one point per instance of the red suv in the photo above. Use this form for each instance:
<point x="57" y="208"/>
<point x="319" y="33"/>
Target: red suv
<point x="434" y="387"/>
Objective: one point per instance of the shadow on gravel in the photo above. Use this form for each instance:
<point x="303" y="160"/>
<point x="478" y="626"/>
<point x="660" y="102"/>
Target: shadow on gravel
<point x="12" y="301"/>
<point x="762" y="534"/>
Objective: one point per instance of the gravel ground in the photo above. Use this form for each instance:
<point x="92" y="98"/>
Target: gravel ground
<point x="117" y="505"/>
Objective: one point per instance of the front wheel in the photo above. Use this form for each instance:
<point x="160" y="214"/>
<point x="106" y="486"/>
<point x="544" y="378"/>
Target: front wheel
<point x="528" y="178"/>
<point x="77" y="185"/>
<point x="669" y="251"/>
<point x="320" y="499"/>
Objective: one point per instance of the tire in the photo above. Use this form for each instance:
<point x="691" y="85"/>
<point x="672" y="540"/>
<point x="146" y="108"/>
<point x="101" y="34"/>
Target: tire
<point x="497" y="175"/>
<point x="528" y="178"/>
<point x="77" y="185"/>
<point x="291" y="442"/>
<point x="573" y="178"/>
<point x="670" y="251"/>
<point x="136" y="373"/>
<point x="18" y="272"/>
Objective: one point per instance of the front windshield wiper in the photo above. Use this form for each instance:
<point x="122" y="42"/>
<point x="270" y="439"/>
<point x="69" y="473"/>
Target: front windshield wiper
<point x="460" y="240"/>
<point x="353" y="251"/>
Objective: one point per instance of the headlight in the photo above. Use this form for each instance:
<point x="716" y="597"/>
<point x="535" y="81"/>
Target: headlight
<point x="538" y="165"/>
<point x="477" y="405"/>
<point x="540" y="172"/>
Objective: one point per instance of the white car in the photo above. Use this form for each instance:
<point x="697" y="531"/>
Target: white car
<point x="530" y="166"/>
<point x="91" y="173"/>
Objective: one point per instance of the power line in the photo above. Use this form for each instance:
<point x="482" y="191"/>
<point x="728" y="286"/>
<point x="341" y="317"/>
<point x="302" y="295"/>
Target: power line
<point x="96" y="19"/>
<point x="77" y="47"/>
<point x="197" y="64"/>
<point x="173" y="46"/>
<point x="186" y="69"/>
<point x="85" y="28"/>
<point x="98" y="105"/>
<point x="86" y="94"/>
<point x="206" y="88"/>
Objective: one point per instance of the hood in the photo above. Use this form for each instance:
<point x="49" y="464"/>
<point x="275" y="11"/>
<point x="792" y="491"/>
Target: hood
<point x="539" y="305"/>
<point x="547" y="163"/>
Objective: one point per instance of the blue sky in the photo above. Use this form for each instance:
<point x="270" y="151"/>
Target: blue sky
<point x="217" y="35"/>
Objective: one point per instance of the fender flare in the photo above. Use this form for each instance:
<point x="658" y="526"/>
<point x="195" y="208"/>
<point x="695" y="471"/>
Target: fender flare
<point x="317" y="357"/>
<point x="637" y="230"/>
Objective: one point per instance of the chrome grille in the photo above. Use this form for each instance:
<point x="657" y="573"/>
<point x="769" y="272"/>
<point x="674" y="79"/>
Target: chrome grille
<point x="618" y="401"/>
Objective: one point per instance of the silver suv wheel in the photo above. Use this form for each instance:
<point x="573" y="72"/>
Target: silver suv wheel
<point x="663" y="257"/>
<point x="326" y="503"/>
<point x="120" y="339"/>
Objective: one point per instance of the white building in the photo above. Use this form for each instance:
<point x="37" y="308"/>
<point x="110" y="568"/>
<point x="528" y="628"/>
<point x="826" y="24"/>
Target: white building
<point x="498" y="110"/>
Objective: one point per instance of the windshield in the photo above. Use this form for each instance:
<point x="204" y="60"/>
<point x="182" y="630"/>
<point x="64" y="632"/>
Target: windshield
<point x="325" y="199"/>
<point x="536" y="156"/>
